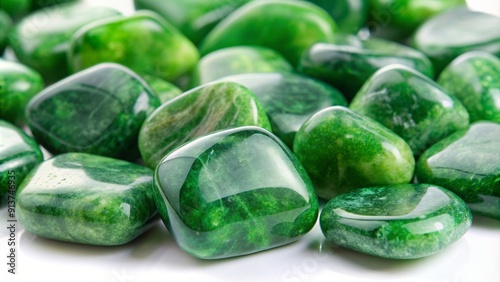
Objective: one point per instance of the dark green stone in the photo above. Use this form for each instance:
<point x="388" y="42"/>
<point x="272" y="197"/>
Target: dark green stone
<point x="412" y="105"/>
<point x="397" y="222"/>
<point x="349" y="15"/>
<point x="202" y="110"/>
<point x="165" y="91"/>
<point x="98" y="111"/>
<point x="5" y="26"/>
<point x="40" y="4"/>
<point x="467" y="163"/>
<point x="87" y="199"/>
<point x="234" y="192"/>
<point x="19" y="154"/>
<point x="15" y="8"/>
<point x="342" y="151"/>
<point x="474" y="78"/>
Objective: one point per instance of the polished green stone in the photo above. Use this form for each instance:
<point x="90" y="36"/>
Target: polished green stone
<point x="450" y="34"/>
<point x="15" y="8"/>
<point x="342" y="151"/>
<point x="202" y="110"/>
<point x="18" y="84"/>
<point x="474" y="78"/>
<point x="41" y="39"/>
<point x="349" y="61"/>
<point x="165" y="91"/>
<point x="19" y="154"/>
<point x="412" y="105"/>
<point x="87" y="199"/>
<point x="237" y="60"/>
<point x="5" y="26"/>
<point x="288" y="27"/>
<point x="98" y="111"/>
<point x="467" y="163"/>
<point x="234" y="192"/>
<point x="144" y="42"/>
<point x="349" y="15"/>
<point x="40" y="4"/>
<point x="289" y="99"/>
<point x="398" y="222"/>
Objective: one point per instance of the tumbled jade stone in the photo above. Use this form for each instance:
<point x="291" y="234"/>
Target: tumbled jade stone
<point x="18" y="84"/>
<point x="474" y="78"/>
<point x="98" y="111"/>
<point x="41" y="39"/>
<point x="165" y="91"/>
<point x="19" y="154"/>
<point x="39" y="4"/>
<point x="234" y="192"/>
<point x="342" y="151"/>
<point x="15" y="8"/>
<point x="237" y="60"/>
<point x="412" y="105"/>
<point x="452" y="33"/>
<point x="467" y="163"/>
<point x="87" y="199"/>
<point x="289" y="99"/>
<point x="398" y="222"/>
<point x="288" y="27"/>
<point x="210" y="107"/>
<point x="349" y="15"/>
<point x="5" y="26"/>
<point x="144" y="42"/>
<point x="349" y="61"/>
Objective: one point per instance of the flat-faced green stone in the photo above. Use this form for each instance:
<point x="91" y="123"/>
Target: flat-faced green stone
<point x="349" y="61"/>
<point x="474" y="78"/>
<point x="349" y="15"/>
<point x="288" y="27"/>
<point x="467" y="163"/>
<point x="165" y="91"/>
<point x="234" y="192"/>
<point x="237" y="60"/>
<point x="18" y="84"/>
<point x="15" y="8"/>
<point x="202" y="110"/>
<point x="41" y="39"/>
<point x="87" y="199"/>
<point x="98" y="111"/>
<point x="397" y="222"/>
<point x="450" y="34"/>
<point x="144" y="42"/>
<point x="412" y="105"/>
<point x="342" y="151"/>
<point x="5" y="26"/>
<point x="289" y="99"/>
<point x="19" y="154"/>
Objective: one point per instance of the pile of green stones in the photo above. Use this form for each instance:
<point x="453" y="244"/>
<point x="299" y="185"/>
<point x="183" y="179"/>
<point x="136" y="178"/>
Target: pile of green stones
<point x="228" y="119"/>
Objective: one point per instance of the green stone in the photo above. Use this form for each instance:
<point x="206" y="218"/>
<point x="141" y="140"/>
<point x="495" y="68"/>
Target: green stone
<point x="40" y="4"/>
<point x="397" y="222"/>
<point x="289" y="99"/>
<point x="288" y="27"/>
<point x="41" y="39"/>
<point x="18" y="84"/>
<point x="234" y="192"/>
<point x="19" y="154"/>
<point x="349" y="15"/>
<point x="349" y="61"/>
<point x="474" y="78"/>
<point x="412" y="105"/>
<point x="15" y="8"/>
<point x="467" y="163"/>
<point x="87" y="199"/>
<point x="200" y="111"/>
<point x="237" y="60"/>
<point x="144" y="42"/>
<point x="5" y="26"/>
<point x="342" y="151"/>
<point x="165" y="91"/>
<point x="450" y="34"/>
<point x="98" y="111"/>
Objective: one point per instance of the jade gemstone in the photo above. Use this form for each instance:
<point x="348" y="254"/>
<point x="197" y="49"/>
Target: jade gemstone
<point x="349" y="61"/>
<point x="234" y="192"/>
<point x="98" y="111"/>
<point x="19" y="154"/>
<point x="349" y="15"/>
<point x="165" y="91"/>
<point x="41" y="39"/>
<point x="397" y="222"/>
<point x="143" y="42"/>
<point x="15" y="8"/>
<point x="412" y="105"/>
<point x="342" y="151"/>
<point x="288" y="27"/>
<point x="87" y="199"/>
<point x="237" y="60"/>
<point x="18" y="84"/>
<point x="211" y="107"/>
<point x="5" y="26"/>
<point x="474" y="78"/>
<point x="467" y="163"/>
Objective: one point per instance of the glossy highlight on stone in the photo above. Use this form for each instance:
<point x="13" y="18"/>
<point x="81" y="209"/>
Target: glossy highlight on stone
<point x="349" y="15"/>
<point x="234" y="192"/>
